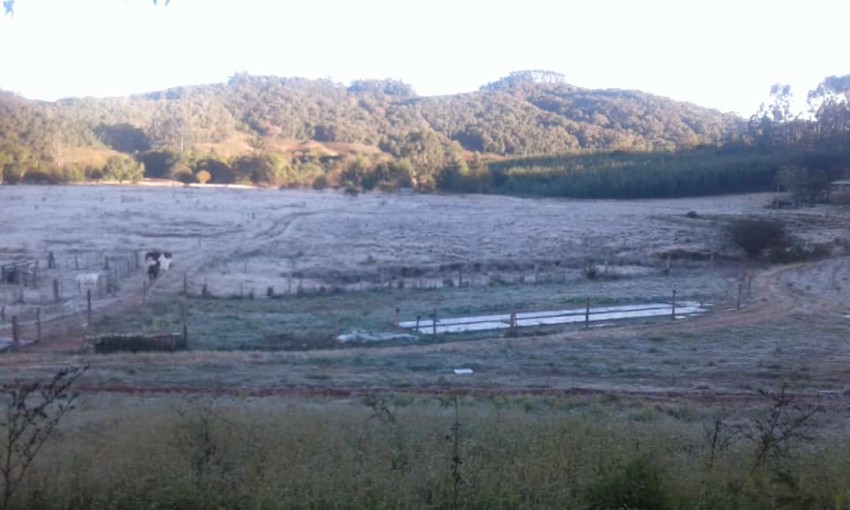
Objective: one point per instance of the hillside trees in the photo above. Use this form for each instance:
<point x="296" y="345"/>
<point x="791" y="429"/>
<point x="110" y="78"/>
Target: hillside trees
<point x="271" y="169"/>
<point x="15" y="162"/>
<point x="377" y="134"/>
<point x="123" y="168"/>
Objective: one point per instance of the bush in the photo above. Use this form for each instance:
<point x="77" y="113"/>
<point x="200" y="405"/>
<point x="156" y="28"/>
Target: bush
<point x="636" y="486"/>
<point x="203" y="176"/>
<point x="591" y="271"/>
<point x="755" y="236"/>
<point x="182" y="173"/>
<point x="320" y="183"/>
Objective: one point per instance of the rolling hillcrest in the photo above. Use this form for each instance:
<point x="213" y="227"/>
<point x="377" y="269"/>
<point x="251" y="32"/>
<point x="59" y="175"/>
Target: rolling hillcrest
<point x="307" y="127"/>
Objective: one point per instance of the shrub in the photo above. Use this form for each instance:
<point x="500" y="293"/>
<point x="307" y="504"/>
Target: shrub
<point x="591" y="271"/>
<point x="203" y="176"/>
<point x="755" y="236"/>
<point x="182" y="173"/>
<point x="637" y="486"/>
<point x="320" y="182"/>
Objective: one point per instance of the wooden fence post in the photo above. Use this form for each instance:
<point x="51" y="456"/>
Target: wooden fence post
<point x="55" y="290"/>
<point x="88" y="308"/>
<point x="587" y="313"/>
<point x="16" y="334"/>
<point x="51" y="260"/>
<point x="2" y="313"/>
<point x="740" y="289"/>
<point x="38" y="325"/>
<point x="76" y="262"/>
<point x="417" y="322"/>
<point x="673" y="307"/>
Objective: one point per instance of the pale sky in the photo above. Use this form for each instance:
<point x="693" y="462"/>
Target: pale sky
<point x="723" y="54"/>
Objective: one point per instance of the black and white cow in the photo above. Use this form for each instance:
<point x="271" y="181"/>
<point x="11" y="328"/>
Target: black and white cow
<point x="157" y="261"/>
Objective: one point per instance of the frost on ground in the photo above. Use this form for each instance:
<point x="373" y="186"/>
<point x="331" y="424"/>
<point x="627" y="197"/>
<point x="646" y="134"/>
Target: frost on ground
<point x="275" y="243"/>
<point x="251" y="241"/>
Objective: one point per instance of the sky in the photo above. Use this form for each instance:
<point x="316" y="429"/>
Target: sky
<point x="721" y="54"/>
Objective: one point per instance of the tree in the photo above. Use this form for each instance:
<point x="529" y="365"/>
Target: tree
<point x="183" y="173"/>
<point x="123" y="168"/>
<point x="772" y="125"/>
<point x="270" y="169"/>
<point x="829" y="103"/>
<point x="15" y="161"/>
<point x="203" y="177"/>
<point x="173" y="128"/>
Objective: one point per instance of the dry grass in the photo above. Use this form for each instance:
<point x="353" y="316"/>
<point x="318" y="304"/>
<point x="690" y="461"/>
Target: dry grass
<point x="515" y="453"/>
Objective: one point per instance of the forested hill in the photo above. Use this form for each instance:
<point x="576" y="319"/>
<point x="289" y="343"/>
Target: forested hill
<point x="315" y="128"/>
<point x="519" y="118"/>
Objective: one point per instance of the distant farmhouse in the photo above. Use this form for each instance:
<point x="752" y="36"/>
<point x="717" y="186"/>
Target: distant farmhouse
<point x="839" y="192"/>
<point x="841" y="186"/>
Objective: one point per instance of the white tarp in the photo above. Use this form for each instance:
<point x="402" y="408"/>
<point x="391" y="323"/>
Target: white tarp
<point x="569" y="316"/>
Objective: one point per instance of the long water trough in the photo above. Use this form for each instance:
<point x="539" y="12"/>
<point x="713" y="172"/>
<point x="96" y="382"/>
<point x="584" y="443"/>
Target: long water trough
<point x="576" y="315"/>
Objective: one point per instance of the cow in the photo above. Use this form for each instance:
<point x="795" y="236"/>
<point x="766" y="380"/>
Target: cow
<point x="157" y="261"/>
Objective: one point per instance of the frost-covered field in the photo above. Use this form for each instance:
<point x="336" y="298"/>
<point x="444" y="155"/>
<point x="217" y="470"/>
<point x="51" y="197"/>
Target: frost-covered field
<point x="254" y="242"/>
<point x="250" y="239"/>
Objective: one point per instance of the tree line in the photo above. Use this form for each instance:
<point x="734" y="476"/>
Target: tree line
<point x="529" y="133"/>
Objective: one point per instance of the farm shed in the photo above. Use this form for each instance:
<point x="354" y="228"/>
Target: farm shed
<point x="840" y="186"/>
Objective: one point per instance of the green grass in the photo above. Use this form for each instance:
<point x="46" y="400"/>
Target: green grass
<point x="308" y="321"/>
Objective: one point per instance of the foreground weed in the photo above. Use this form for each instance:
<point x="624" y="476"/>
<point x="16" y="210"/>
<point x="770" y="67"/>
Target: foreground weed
<point x="785" y="424"/>
<point x="454" y="437"/>
<point x="32" y="414"/>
